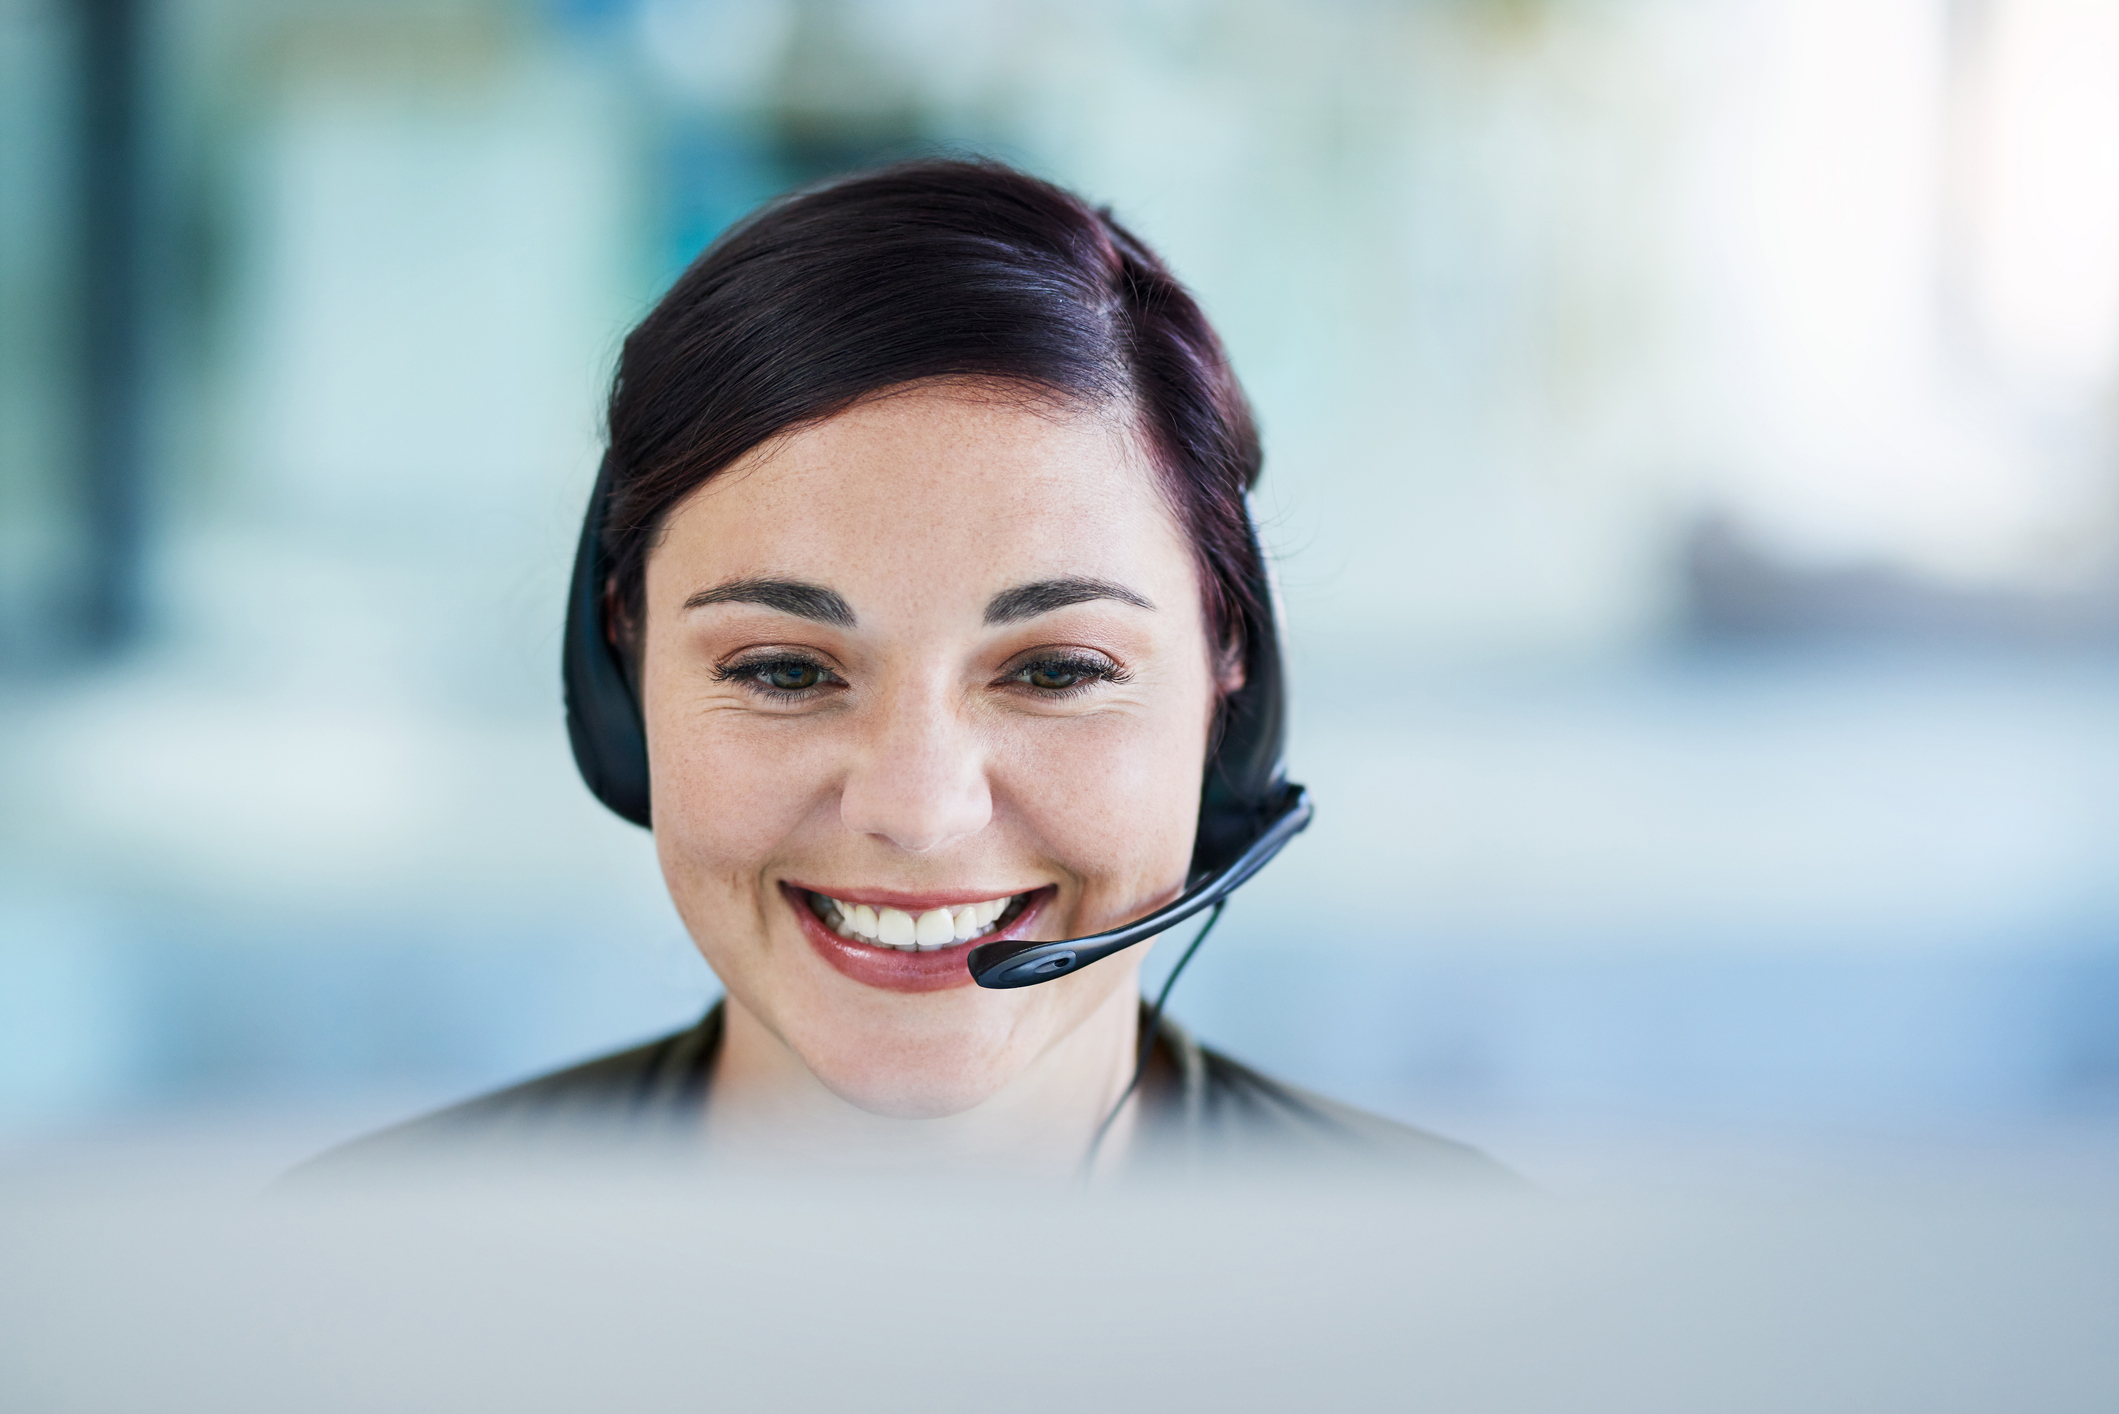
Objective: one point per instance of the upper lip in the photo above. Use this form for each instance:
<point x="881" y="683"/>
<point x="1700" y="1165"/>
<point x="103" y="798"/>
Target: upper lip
<point x="910" y="903"/>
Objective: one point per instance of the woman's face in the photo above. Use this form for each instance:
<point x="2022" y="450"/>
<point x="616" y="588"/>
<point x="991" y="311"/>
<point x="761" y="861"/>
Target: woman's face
<point x="927" y="674"/>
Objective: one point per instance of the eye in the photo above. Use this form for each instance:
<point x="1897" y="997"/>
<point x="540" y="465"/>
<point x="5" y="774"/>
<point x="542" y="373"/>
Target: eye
<point x="785" y="678"/>
<point x="1066" y="675"/>
<point x="791" y="677"/>
<point x="1052" y="677"/>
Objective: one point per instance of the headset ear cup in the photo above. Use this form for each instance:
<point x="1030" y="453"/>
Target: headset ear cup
<point x="1241" y="790"/>
<point x="603" y="715"/>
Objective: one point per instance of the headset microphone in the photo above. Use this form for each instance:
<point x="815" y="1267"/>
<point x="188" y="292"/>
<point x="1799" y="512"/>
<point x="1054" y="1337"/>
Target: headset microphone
<point x="1248" y="811"/>
<point x="1025" y="964"/>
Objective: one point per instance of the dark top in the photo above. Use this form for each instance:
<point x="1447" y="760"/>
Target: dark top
<point x="1198" y="1109"/>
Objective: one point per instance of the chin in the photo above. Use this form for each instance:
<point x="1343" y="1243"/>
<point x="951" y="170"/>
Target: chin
<point x="942" y="1054"/>
<point x="897" y="1076"/>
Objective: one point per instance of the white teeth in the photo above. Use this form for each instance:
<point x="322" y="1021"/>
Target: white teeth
<point x="895" y="928"/>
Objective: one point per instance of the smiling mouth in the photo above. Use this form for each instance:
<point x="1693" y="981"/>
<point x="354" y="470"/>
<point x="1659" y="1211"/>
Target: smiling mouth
<point x="894" y="929"/>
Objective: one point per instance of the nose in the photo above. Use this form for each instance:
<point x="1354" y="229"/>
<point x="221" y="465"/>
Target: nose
<point x="919" y="780"/>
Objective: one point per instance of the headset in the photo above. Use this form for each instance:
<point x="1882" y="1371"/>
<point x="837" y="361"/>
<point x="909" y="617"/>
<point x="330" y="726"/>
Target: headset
<point x="1248" y="810"/>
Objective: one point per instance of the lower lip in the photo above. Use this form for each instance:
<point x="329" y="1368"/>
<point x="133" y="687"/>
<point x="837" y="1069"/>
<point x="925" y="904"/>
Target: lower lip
<point x="895" y="971"/>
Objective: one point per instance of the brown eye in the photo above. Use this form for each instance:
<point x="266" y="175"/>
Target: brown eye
<point x="1053" y="677"/>
<point x="1067" y="676"/>
<point x="792" y="677"/>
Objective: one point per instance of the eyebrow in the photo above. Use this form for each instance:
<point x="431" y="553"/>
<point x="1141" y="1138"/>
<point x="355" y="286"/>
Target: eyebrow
<point x="789" y="596"/>
<point x="1027" y="601"/>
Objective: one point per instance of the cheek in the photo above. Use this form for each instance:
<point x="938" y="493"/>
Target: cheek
<point x="723" y="799"/>
<point x="1113" y="799"/>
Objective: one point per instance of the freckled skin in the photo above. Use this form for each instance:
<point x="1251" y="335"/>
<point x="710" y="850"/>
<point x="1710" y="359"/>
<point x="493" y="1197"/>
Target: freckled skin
<point x="923" y="765"/>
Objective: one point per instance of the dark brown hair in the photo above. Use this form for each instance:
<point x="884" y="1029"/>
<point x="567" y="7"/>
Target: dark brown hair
<point x="934" y="269"/>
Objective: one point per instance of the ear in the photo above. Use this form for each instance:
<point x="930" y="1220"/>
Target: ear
<point x="1229" y="675"/>
<point x="619" y="628"/>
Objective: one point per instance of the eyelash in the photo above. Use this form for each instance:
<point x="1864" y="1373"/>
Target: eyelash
<point x="1090" y="671"/>
<point x="751" y="673"/>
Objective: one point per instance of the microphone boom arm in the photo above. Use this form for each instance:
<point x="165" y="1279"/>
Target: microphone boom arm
<point x="1025" y="964"/>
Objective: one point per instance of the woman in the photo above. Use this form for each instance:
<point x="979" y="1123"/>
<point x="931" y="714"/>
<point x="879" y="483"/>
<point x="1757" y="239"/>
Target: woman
<point x="920" y="610"/>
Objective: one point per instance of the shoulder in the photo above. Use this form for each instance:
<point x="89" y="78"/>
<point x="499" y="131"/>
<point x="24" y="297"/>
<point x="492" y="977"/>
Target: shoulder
<point x="1242" y="1102"/>
<point x="656" y="1088"/>
<point x="1231" y="1113"/>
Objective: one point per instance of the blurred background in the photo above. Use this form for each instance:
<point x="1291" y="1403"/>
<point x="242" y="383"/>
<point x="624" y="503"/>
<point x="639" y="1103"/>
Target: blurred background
<point x="1691" y="467"/>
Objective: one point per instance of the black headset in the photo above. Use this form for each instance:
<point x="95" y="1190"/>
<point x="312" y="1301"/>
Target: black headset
<point x="1247" y="811"/>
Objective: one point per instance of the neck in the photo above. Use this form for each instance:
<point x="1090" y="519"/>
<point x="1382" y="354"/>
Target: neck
<point x="766" y="1108"/>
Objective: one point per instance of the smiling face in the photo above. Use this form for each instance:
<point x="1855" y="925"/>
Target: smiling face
<point x="928" y="673"/>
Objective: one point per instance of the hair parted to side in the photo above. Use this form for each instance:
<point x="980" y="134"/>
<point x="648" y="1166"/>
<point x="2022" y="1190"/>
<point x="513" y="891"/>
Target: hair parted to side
<point x="931" y="269"/>
<point x="927" y="271"/>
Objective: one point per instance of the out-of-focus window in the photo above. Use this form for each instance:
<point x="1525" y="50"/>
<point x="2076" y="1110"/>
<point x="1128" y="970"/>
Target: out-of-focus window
<point x="1690" y="465"/>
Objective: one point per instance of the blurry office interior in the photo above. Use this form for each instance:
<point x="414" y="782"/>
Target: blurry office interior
<point x="1691" y="470"/>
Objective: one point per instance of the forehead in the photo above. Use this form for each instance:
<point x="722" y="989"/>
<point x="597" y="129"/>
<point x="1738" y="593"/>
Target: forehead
<point x="935" y="487"/>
